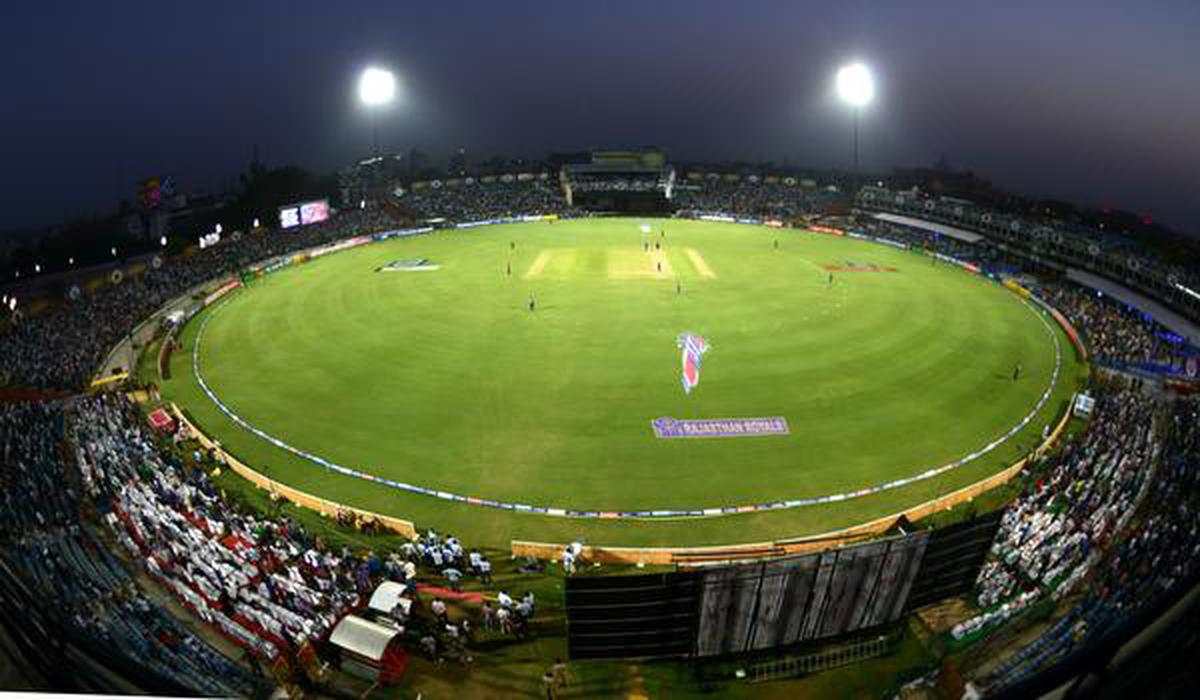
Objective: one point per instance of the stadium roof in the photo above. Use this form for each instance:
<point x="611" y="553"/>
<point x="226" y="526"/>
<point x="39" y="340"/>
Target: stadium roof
<point x="924" y="225"/>
<point x="1162" y="314"/>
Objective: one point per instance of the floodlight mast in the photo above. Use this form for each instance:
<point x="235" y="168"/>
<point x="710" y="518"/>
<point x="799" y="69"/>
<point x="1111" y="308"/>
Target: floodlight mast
<point x="856" y="87"/>
<point x="376" y="87"/>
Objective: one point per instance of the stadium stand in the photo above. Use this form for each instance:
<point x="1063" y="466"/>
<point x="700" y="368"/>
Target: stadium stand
<point x="1147" y="562"/>
<point x="262" y="583"/>
<point x="76" y="592"/>
<point x="469" y="200"/>
<point x="1081" y="531"/>
<point x="1051" y="535"/>
<point x="1050" y="242"/>
<point x="1123" y="337"/>
<point x="1119" y="336"/>
<point x="750" y="196"/>
<point x="64" y="347"/>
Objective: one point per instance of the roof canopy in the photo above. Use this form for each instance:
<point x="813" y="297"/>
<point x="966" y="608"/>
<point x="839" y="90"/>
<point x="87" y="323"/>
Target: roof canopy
<point x="924" y="225"/>
<point x="362" y="637"/>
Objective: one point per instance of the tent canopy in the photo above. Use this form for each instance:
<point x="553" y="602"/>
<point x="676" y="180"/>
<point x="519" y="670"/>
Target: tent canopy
<point x="362" y="637"/>
<point x="387" y="595"/>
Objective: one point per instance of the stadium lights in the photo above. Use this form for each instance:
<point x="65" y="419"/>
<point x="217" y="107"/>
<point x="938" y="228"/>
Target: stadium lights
<point x="856" y="87"/>
<point x="376" y="86"/>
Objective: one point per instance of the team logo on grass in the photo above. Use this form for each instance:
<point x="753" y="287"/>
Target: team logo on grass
<point x="693" y="347"/>
<point x="666" y="427"/>
<point x="408" y="265"/>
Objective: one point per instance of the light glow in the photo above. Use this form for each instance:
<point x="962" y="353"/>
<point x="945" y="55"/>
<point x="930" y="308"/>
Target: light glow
<point x="855" y="85"/>
<point x="376" y="86"/>
<point x="1190" y="292"/>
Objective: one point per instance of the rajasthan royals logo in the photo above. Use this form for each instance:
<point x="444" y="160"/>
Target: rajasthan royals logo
<point x="693" y="347"/>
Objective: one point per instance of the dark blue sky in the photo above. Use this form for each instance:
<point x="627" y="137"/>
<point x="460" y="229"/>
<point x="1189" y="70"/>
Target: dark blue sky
<point x="1094" y="101"/>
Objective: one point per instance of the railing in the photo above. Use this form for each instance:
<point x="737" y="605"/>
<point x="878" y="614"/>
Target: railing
<point x="842" y="655"/>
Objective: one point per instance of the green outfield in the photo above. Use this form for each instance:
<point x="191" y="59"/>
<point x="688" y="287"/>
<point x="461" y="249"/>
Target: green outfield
<point x="443" y="377"/>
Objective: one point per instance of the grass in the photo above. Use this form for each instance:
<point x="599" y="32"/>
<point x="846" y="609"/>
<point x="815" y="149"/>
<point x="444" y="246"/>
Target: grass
<point x="446" y="380"/>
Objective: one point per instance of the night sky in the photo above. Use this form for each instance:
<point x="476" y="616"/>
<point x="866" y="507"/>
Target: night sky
<point x="1097" y="102"/>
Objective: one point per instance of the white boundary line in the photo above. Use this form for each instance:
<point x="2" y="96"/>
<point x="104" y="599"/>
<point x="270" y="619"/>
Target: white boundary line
<point x="650" y="513"/>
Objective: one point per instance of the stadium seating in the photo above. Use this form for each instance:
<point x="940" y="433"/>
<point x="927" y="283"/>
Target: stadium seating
<point x="750" y="197"/>
<point x="81" y="593"/>
<point x="1065" y="244"/>
<point x="64" y="347"/>
<point x="1144" y="564"/>
<point x="268" y="586"/>
<point x="479" y="201"/>
<point x="1117" y="335"/>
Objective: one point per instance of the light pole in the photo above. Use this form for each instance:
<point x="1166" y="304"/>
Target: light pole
<point x="376" y="88"/>
<point x="856" y="87"/>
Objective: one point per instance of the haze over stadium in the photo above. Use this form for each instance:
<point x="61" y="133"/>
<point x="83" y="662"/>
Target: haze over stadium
<point x="373" y="351"/>
<point x="1022" y="95"/>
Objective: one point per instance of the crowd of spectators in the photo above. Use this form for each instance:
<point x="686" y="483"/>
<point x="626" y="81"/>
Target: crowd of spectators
<point x="483" y="201"/>
<point x="746" y="198"/>
<point x="985" y="257"/>
<point x="270" y="586"/>
<point x="1121" y="335"/>
<point x="63" y="347"/>
<point x="1052" y="534"/>
<point x="1146" y="562"/>
<point x="600" y="183"/>
<point x="264" y="582"/>
<point x="78" y="593"/>
<point x="261" y="581"/>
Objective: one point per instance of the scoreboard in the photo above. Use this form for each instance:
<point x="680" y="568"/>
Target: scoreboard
<point x="304" y="213"/>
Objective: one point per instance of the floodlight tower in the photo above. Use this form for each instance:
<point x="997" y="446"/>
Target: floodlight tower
<point x="376" y="88"/>
<point x="856" y="87"/>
